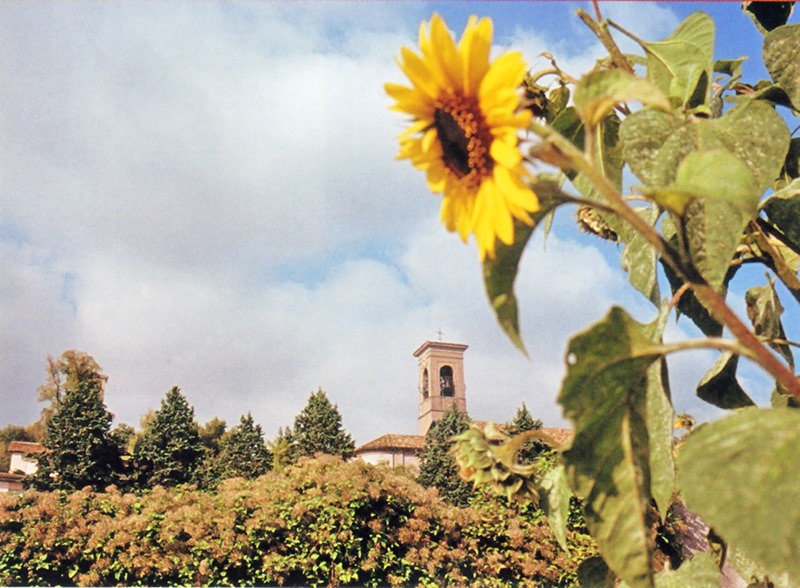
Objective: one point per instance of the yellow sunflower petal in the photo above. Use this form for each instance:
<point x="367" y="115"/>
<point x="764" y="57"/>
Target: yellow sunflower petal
<point x="505" y="154"/>
<point x="419" y="73"/>
<point x="474" y="47"/>
<point x="443" y="53"/>
<point x="507" y="71"/>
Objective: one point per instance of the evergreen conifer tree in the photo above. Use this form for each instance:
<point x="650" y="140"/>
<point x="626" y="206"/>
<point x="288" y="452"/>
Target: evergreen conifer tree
<point x="318" y="428"/>
<point x="169" y="450"/>
<point x="81" y="450"/>
<point x="523" y="421"/>
<point x="242" y="451"/>
<point x="283" y="449"/>
<point x="437" y="467"/>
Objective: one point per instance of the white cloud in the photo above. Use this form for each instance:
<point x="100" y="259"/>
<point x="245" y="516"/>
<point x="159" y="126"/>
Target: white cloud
<point x="208" y="197"/>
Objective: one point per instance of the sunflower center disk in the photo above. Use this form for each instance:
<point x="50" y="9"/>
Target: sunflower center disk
<point x="465" y="139"/>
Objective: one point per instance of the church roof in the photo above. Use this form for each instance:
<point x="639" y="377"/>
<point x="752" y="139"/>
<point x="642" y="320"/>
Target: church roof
<point x="392" y="441"/>
<point x="25" y="447"/>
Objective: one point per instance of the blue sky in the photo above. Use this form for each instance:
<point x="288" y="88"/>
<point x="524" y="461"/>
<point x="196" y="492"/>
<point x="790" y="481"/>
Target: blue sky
<point x="206" y="195"/>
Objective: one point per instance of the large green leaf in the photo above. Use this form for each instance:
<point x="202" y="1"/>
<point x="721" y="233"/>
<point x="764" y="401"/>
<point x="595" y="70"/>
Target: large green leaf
<point x="699" y="572"/>
<point x="555" y="500"/>
<point x="764" y="309"/>
<point x="681" y="64"/>
<point x="639" y="258"/>
<point x="655" y="144"/>
<point x="598" y="92"/>
<point x="500" y="273"/>
<point x="712" y="175"/>
<point x="719" y="385"/>
<point x="660" y="421"/>
<point x="688" y="304"/>
<point x="713" y="230"/>
<point x="741" y="475"/>
<point x="783" y="210"/>
<point x="781" y="48"/>
<point x="604" y="394"/>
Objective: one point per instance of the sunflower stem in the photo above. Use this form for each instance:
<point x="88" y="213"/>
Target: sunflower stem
<point x="565" y="151"/>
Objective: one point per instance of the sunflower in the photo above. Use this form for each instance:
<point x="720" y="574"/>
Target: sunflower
<point x="464" y="135"/>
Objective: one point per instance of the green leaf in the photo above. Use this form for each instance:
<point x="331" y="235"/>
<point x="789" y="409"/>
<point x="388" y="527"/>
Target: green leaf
<point x="719" y="385"/>
<point x="605" y="396"/>
<point x="764" y="309"/>
<point x="768" y="15"/>
<point x="681" y="64"/>
<point x="713" y="230"/>
<point x="758" y="515"/>
<point x="781" y="48"/>
<point x="500" y="273"/>
<point x="660" y="421"/>
<point x="555" y="501"/>
<point x="639" y="258"/>
<point x="688" y="304"/>
<point x="783" y="211"/>
<point x="598" y="92"/>
<point x="712" y="175"/>
<point x="699" y="572"/>
<point x="758" y="136"/>
<point x="655" y="144"/>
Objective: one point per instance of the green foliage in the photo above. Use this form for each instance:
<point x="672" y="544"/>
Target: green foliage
<point x="81" y="450"/>
<point x="323" y="522"/>
<point x="170" y="450"/>
<point x="318" y="429"/>
<point x="242" y="452"/>
<point x="437" y="466"/>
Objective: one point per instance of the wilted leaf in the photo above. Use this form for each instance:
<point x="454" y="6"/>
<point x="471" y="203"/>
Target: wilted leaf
<point x="598" y="92"/>
<point x="605" y="396"/>
<point x="768" y="15"/>
<point x="758" y="515"/>
<point x="719" y="385"/>
<point x="764" y="309"/>
<point x="783" y="210"/>
<point x="681" y="64"/>
<point x="781" y="48"/>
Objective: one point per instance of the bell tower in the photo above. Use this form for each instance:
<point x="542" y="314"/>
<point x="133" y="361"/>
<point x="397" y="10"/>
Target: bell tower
<point x="441" y="380"/>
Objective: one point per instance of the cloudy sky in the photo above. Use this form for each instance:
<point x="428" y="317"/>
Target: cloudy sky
<point x="205" y="195"/>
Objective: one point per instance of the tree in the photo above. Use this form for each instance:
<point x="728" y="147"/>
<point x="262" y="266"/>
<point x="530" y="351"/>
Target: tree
<point x="243" y="452"/>
<point x="523" y="421"/>
<point x="81" y="450"/>
<point x="170" y="450"/>
<point x="283" y="449"/>
<point x="64" y="374"/>
<point x="437" y="467"/>
<point x="318" y="428"/>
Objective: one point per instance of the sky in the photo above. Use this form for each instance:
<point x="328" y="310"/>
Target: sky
<point x="206" y="195"/>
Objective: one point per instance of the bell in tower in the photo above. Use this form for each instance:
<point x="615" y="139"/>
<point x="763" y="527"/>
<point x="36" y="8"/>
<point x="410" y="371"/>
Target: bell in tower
<point x="441" y="380"/>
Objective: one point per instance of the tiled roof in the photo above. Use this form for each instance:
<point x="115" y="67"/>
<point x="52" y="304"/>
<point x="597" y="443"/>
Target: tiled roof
<point x="9" y="477"/>
<point x="561" y="436"/>
<point x="25" y="447"/>
<point x="391" y="441"/>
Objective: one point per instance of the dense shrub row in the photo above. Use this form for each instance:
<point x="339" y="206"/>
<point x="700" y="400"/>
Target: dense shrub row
<point x="321" y="522"/>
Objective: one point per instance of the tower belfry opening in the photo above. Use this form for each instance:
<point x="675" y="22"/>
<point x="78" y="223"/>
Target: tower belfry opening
<point x="441" y="380"/>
